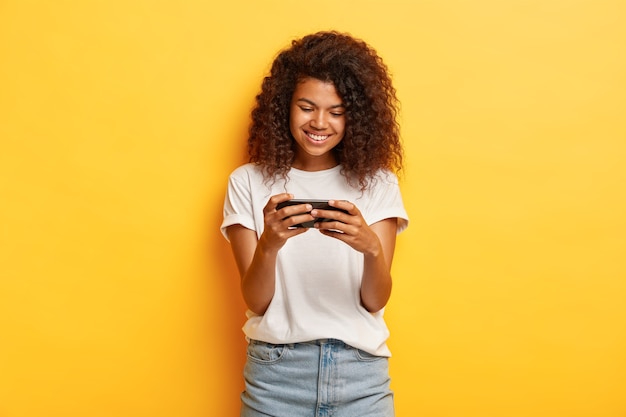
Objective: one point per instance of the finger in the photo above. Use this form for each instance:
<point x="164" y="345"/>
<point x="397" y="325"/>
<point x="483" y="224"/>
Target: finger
<point x="344" y="205"/>
<point x="336" y="234"/>
<point x="334" y="215"/>
<point x="293" y="221"/>
<point x="293" y="231"/>
<point x="334" y="226"/>
<point x="275" y="200"/>
<point x="295" y="210"/>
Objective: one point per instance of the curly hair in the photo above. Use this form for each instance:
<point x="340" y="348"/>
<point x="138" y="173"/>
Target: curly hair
<point x="372" y="137"/>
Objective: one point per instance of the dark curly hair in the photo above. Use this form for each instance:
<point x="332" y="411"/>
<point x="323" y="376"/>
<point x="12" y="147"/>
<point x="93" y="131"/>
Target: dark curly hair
<point x="372" y="137"/>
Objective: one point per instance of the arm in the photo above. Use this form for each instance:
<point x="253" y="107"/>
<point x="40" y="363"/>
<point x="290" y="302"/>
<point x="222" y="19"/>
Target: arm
<point x="256" y="258"/>
<point x="376" y="284"/>
<point x="376" y="242"/>
<point x="256" y="267"/>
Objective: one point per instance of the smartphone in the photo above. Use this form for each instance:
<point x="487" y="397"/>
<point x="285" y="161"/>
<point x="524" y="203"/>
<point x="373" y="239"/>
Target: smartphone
<point x="317" y="204"/>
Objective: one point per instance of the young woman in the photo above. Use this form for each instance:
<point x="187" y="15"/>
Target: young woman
<point x="324" y="127"/>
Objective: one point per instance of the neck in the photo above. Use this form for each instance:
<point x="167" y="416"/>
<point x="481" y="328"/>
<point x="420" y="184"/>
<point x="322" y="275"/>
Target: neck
<point x="315" y="164"/>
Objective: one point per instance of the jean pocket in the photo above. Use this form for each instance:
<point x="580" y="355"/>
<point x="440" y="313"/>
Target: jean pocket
<point x="364" y="356"/>
<point x="265" y="353"/>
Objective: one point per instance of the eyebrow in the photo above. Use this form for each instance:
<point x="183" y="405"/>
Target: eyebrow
<point x="306" y="100"/>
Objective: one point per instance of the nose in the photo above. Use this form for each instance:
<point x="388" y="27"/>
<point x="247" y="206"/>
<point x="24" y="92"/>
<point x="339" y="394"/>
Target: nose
<point x="319" y="121"/>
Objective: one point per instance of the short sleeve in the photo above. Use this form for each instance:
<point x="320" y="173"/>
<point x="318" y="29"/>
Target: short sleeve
<point x="386" y="201"/>
<point x="238" y="204"/>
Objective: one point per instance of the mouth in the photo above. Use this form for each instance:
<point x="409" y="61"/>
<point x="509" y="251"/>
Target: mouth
<point x="316" y="138"/>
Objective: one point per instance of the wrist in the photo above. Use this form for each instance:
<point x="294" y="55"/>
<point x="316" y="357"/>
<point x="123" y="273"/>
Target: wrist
<point x="265" y="248"/>
<point x="374" y="251"/>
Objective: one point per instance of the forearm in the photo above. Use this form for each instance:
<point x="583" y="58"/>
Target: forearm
<point x="376" y="282"/>
<point x="258" y="283"/>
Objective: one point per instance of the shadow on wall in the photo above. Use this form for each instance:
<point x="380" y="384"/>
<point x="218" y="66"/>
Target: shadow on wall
<point x="225" y="308"/>
<point x="226" y="317"/>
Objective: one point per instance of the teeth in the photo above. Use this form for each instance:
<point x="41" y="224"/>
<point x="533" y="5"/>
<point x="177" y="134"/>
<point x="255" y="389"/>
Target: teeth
<point x="317" y="137"/>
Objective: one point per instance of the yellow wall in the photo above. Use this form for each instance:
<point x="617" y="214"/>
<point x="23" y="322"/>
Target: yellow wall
<point x="120" y="121"/>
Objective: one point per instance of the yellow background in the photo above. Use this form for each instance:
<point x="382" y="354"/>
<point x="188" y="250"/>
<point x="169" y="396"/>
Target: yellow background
<point x="121" y="120"/>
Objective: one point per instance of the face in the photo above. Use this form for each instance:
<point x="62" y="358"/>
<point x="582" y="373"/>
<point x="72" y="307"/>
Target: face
<point x="317" y="122"/>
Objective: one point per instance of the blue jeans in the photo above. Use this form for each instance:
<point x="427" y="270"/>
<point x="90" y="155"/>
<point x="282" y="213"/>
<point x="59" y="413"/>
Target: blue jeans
<point x="321" y="378"/>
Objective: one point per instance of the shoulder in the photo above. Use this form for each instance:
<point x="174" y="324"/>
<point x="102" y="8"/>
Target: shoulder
<point x="383" y="186"/>
<point x="383" y="178"/>
<point x="247" y="172"/>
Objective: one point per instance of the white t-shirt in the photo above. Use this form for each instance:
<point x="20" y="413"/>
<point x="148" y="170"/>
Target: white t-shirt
<point x="318" y="278"/>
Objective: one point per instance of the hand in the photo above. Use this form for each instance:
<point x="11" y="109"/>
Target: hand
<point x="350" y="228"/>
<point x="279" y="223"/>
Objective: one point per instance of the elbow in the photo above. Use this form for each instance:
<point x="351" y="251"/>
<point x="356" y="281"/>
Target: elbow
<point x="257" y="298"/>
<point x="257" y="308"/>
<point x="374" y="304"/>
<point x="257" y="311"/>
<point x="256" y="305"/>
<point x="374" y="307"/>
<point x="374" y="301"/>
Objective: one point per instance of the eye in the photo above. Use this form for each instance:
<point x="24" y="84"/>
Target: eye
<point x="336" y="114"/>
<point x="306" y="109"/>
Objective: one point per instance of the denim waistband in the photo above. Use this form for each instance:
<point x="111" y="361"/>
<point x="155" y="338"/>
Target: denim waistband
<point x="318" y="342"/>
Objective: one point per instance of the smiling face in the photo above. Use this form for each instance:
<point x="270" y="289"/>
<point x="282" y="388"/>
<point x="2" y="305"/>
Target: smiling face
<point x="317" y="122"/>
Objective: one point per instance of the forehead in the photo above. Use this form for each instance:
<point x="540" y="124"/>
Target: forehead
<point x="320" y="92"/>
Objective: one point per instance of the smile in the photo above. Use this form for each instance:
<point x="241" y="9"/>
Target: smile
<point x="317" y="138"/>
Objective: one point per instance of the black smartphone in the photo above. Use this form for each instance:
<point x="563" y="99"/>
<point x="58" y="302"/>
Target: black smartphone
<point x="317" y="204"/>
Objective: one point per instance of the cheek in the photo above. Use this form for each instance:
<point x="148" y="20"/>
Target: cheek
<point x="296" y="120"/>
<point x="340" y="126"/>
<point x="293" y="123"/>
<point x="293" y="126"/>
